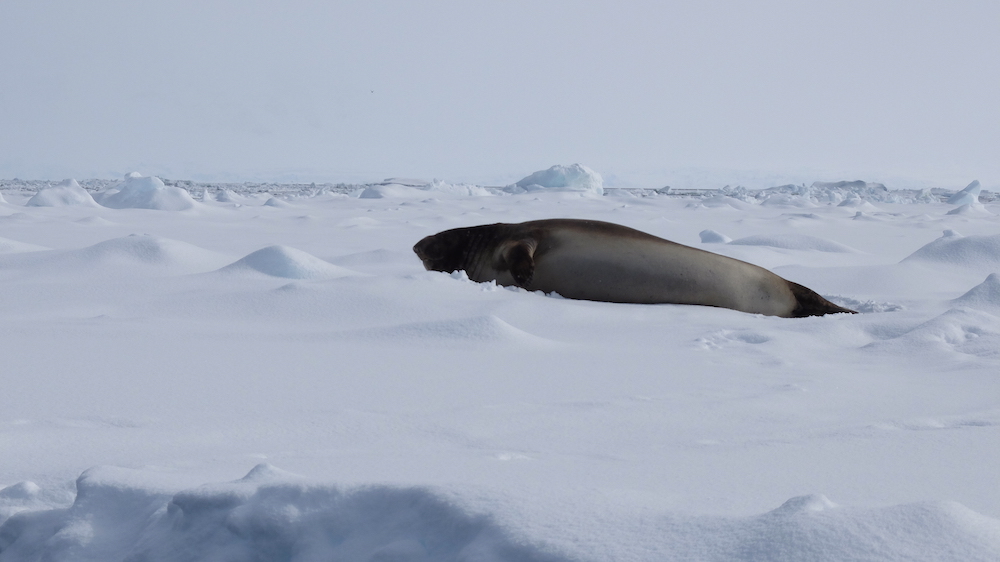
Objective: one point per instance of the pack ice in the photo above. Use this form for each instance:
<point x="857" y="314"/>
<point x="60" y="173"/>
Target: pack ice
<point x="270" y="374"/>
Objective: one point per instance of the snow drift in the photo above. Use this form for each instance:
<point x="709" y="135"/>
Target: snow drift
<point x="794" y="242"/>
<point x="138" y="192"/>
<point x="120" y="514"/>
<point x="264" y="516"/>
<point x="136" y="254"/>
<point x="983" y="295"/>
<point x="290" y="263"/>
<point x="64" y="194"/>
<point x="976" y="252"/>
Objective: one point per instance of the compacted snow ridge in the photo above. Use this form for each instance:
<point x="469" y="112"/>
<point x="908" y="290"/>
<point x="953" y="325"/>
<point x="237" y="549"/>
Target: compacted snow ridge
<point x="265" y="371"/>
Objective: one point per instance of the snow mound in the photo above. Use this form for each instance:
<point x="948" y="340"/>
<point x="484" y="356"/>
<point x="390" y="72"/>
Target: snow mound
<point x="959" y="330"/>
<point x="226" y="196"/>
<point x="966" y="251"/>
<point x="974" y="209"/>
<point x="290" y="263"/>
<point x="66" y="193"/>
<point x="138" y="192"/>
<point x="812" y="528"/>
<point x="15" y="247"/>
<point x="477" y="329"/>
<point x="94" y="221"/>
<point x="985" y="294"/>
<point x="574" y="177"/>
<point x="275" y="202"/>
<point x="968" y="196"/>
<point x="127" y="256"/>
<point x="713" y="237"/>
<point x="854" y="201"/>
<point x="265" y="516"/>
<point x="794" y="242"/>
<point x="148" y="251"/>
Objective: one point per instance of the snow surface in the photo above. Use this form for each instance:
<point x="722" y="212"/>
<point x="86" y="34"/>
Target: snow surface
<point x="234" y="378"/>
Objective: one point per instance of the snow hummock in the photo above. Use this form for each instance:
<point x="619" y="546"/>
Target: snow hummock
<point x="959" y="331"/>
<point x="985" y="294"/>
<point x="138" y="192"/>
<point x="287" y="262"/>
<point x="66" y="193"/>
<point x="968" y="196"/>
<point x="976" y="252"/>
<point x="712" y="237"/>
<point x="275" y="202"/>
<point x="792" y="241"/>
<point x="575" y="177"/>
<point x="136" y="254"/>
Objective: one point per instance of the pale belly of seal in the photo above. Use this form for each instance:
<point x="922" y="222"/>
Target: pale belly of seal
<point x="595" y="266"/>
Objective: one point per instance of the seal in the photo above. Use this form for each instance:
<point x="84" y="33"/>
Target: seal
<point x="602" y="261"/>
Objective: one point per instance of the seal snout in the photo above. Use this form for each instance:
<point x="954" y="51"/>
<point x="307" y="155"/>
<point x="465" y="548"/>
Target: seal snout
<point x="419" y="251"/>
<point x="424" y="251"/>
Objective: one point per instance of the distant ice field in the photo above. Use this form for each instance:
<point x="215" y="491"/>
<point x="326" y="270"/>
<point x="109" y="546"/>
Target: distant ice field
<point x="216" y="373"/>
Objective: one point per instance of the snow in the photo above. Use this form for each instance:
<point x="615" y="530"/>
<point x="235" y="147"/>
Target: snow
<point x="138" y="192"/>
<point x="983" y="295"/>
<point x="793" y="241"/>
<point x="66" y="192"/>
<point x="575" y="177"/>
<point x="232" y="378"/>
<point x="968" y="196"/>
<point x="709" y="236"/>
<point x="282" y="261"/>
<point x="974" y="252"/>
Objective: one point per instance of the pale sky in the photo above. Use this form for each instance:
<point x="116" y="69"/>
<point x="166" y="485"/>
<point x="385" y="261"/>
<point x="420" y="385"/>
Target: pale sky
<point x="646" y="93"/>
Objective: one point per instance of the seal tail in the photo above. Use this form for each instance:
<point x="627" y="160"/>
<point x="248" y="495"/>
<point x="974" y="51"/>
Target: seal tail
<point x="809" y="303"/>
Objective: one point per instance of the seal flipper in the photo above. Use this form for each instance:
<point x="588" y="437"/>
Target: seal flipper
<point x="810" y="303"/>
<point x="519" y="259"/>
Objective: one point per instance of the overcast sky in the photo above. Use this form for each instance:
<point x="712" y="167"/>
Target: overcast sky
<point x="647" y="93"/>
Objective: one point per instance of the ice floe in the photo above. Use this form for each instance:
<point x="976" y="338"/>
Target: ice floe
<point x="575" y="177"/>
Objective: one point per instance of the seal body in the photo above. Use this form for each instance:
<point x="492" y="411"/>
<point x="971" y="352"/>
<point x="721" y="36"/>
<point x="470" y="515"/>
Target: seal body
<point x="600" y="261"/>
